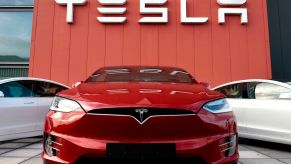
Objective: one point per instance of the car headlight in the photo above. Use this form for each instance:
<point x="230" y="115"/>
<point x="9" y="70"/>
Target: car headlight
<point x="218" y="106"/>
<point x="60" y="104"/>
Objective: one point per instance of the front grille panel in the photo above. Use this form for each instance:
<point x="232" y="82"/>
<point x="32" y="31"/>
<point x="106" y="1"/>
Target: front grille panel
<point x="141" y="114"/>
<point x="132" y="111"/>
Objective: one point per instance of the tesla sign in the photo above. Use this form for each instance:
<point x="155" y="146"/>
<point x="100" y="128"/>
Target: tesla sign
<point x="113" y="11"/>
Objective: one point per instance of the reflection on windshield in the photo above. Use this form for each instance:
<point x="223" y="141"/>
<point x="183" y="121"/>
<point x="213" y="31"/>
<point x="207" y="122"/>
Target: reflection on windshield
<point x="141" y="74"/>
<point x="145" y="91"/>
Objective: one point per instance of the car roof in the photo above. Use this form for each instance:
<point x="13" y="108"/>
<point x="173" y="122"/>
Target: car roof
<point x="30" y="78"/>
<point x="255" y="80"/>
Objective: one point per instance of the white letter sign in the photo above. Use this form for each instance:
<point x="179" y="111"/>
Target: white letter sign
<point x="114" y="11"/>
<point x="243" y="12"/>
<point x="70" y="7"/>
<point x="193" y="20"/>
<point x="231" y="2"/>
<point x="153" y="10"/>
<point x="111" y="10"/>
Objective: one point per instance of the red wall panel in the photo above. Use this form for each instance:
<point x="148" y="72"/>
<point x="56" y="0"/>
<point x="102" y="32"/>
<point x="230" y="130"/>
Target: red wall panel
<point x="79" y="44"/>
<point x="203" y="43"/>
<point x="185" y="40"/>
<point x="211" y="52"/>
<point x="96" y="41"/>
<point x="168" y="37"/>
<point x="43" y="39"/>
<point x="132" y="38"/>
<point x="60" y="47"/>
<point x="238" y="45"/>
<point x="149" y="44"/>
<point x="257" y="50"/>
<point x="220" y="48"/>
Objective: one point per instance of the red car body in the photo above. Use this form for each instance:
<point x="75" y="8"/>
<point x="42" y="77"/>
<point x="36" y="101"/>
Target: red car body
<point x="140" y="120"/>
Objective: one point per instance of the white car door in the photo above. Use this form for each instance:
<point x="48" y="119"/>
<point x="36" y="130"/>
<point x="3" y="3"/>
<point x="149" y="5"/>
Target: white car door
<point x="238" y="106"/>
<point x="268" y="117"/>
<point x="43" y="106"/>
<point x="44" y="92"/>
<point x="17" y="109"/>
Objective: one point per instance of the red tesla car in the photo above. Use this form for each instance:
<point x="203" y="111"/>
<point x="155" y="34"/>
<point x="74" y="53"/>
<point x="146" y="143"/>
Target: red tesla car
<point x="140" y="113"/>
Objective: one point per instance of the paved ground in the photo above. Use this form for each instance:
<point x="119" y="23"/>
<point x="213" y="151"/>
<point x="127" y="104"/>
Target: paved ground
<point x="258" y="152"/>
<point x="27" y="151"/>
<point x="24" y="151"/>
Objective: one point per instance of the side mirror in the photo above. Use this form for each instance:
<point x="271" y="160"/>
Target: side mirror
<point x="77" y="84"/>
<point x="285" y="96"/>
<point x="1" y="94"/>
<point x="206" y="85"/>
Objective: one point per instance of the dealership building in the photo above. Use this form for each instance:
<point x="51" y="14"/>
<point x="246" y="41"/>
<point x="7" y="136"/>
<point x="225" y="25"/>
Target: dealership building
<point x="215" y="40"/>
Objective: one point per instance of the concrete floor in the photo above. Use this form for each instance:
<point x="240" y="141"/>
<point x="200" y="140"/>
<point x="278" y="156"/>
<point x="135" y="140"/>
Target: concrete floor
<point x="27" y="151"/>
<point x="259" y="152"/>
<point x="24" y="151"/>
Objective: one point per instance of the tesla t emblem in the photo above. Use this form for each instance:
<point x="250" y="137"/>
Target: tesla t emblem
<point x="141" y="112"/>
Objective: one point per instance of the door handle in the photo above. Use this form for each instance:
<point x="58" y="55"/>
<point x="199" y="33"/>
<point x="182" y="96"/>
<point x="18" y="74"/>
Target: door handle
<point x="27" y="103"/>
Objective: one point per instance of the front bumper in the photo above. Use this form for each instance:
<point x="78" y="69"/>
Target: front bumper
<point x="78" y="137"/>
<point x="75" y="149"/>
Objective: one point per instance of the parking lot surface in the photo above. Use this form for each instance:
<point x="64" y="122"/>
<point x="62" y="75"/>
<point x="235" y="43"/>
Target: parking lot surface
<point x="28" y="150"/>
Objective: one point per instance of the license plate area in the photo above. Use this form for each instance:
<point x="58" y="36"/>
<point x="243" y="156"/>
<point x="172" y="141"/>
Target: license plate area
<point x="140" y="151"/>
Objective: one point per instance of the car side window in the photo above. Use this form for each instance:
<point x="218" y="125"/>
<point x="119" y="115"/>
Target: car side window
<point x="269" y="91"/>
<point x="231" y="91"/>
<point x="22" y="88"/>
<point x="46" y="89"/>
<point x="251" y="87"/>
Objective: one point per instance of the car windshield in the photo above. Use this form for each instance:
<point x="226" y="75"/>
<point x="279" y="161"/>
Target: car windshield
<point x="141" y="74"/>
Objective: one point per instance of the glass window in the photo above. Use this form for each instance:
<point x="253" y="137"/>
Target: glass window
<point x="270" y="91"/>
<point x="16" y="2"/>
<point x="17" y="89"/>
<point x="140" y="74"/>
<point x="15" y="35"/>
<point x="231" y="91"/>
<point x="251" y="87"/>
<point x="46" y="89"/>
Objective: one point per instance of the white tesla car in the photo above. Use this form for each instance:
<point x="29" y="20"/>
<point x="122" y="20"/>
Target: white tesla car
<point x="24" y="103"/>
<point x="262" y="108"/>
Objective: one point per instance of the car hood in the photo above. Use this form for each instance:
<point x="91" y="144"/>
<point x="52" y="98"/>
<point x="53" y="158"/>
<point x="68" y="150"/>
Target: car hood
<point x="130" y="94"/>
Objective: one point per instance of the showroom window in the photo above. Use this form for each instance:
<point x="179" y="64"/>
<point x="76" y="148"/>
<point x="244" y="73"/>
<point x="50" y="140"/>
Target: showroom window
<point x="15" y="37"/>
